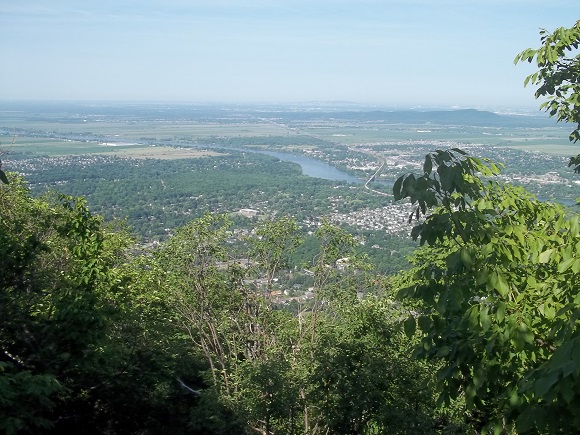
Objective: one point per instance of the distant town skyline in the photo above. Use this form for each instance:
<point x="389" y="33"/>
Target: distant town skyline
<point x="446" y="53"/>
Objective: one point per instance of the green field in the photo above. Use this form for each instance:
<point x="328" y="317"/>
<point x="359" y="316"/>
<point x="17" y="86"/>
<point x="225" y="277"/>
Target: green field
<point x="52" y="147"/>
<point x="133" y="128"/>
<point x="548" y="140"/>
<point x="41" y="146"/>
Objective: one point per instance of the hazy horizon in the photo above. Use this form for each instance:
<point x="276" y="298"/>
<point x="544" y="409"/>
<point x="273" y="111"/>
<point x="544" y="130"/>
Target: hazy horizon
<point x="84" y="106"/>
<point x="392" y="53"/>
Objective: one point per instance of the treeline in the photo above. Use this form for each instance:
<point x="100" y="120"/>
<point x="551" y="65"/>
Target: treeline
<point x="259" y="141"/>
<point x="159" y="194"/>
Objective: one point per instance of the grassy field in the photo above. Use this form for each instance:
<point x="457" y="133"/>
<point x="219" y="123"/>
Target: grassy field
<point x="146" y="129"/>
<point x="35" y="146"/>
<point x="40" y="146"/>
<point x="162" y="152"/>
<point x="548" y="140"/>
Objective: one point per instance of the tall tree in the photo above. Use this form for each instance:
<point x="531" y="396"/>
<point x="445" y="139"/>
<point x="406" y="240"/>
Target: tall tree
<point x="499" y="293"/>
<point x="84" y="342"/>
<point x="55" y="268"/>
<point x="558" y="77"/>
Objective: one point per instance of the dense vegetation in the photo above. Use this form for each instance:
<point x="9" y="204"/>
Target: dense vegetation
<point x="188" y="337"/>
<point x="157" y="196"/>
<point x="101" y="335"/>
<point x="184" y="338"/>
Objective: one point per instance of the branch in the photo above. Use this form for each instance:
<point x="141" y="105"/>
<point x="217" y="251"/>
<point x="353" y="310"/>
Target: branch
<point x="189" y="389"/>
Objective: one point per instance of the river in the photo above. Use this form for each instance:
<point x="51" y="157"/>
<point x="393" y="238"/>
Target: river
<point x="316" y="168"/>
<point x="313" y="167"/>
<point x="310" y="166"/>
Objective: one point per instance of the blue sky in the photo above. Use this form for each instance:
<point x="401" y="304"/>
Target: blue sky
<point x="390" y="52"/>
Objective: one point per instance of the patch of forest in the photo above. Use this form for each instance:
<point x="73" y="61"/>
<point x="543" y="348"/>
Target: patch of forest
<point x="154" y="197"/>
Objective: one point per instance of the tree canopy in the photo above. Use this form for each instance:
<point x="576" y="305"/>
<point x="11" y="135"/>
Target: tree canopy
<point x="498" y="296"/>
<point x="558" y="77"/>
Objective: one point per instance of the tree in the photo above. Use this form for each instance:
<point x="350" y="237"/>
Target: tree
<point x="84" y="341"/>
<point x="219" y="314"/>
<point x="497" y="294"/>
<point x="273" y="242"/>
<point x="271" y="371"/>
<point x="55" y="267"/>
<point x="558" y="77"/>
<point x="361" y="378"/>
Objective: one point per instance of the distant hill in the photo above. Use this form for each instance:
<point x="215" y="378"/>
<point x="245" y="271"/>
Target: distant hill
<point x="77" y="112"/>
<point x="463" y="117"/>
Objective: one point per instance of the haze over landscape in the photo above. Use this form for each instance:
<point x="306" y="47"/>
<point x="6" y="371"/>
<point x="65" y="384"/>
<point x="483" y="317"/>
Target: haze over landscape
<point x="401" y="53"/>
<point x="289" y="217"/>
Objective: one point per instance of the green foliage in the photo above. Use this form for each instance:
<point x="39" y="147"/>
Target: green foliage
<point x="84" y="339"/>
<point x="498" y="286"/>
<point x="339" y="271"/>
<point x="362" y="380"/>
<point x="51" y="270"/>
<point x="448" y="181"/>
<point x="268" y="393"/>
<point x="209" y="295"/>
<point x="155" y="195"/>
<point x="274" y="242"/>
<point x="100" y="334"/>
<point x="25" y="399"/>
<point x="228" y="322"/>
<point x="558" y="77"/>
<point x="338" y="365"/>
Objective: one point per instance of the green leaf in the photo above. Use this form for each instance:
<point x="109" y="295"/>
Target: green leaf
<point x="409" y="184"/>
<point x="481" y="276"/>
<point x="567" y="391"/>
<point x="405" y="293"/>
<point x="549" y="312"/>
<point x="500" y="313"/>
<point x="574" y="227"/>
<point x="428" y="165"/>
<point x="473" y="316"/>
<point x="502" y="285"/>
<point x="545" y="256"/>
<point x="466" y="258"/>
<point x="526" y="420"/>
<point x="492" y="280"/>
<point x="453" y="261"/>
<point x="543" y="384"/>
<point x="484" y="319"/>
<point x="525" y="333"/>
<point x="561" y="357"/>
<point x="410" y="326"/>
<point x="565" y="265"/>
<point x="576" y="266"/>
<point x="424" y="323"/>
<point x="397" y="193"/>
<point x="442" y="303"/>
<point x="3" y="177"/>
